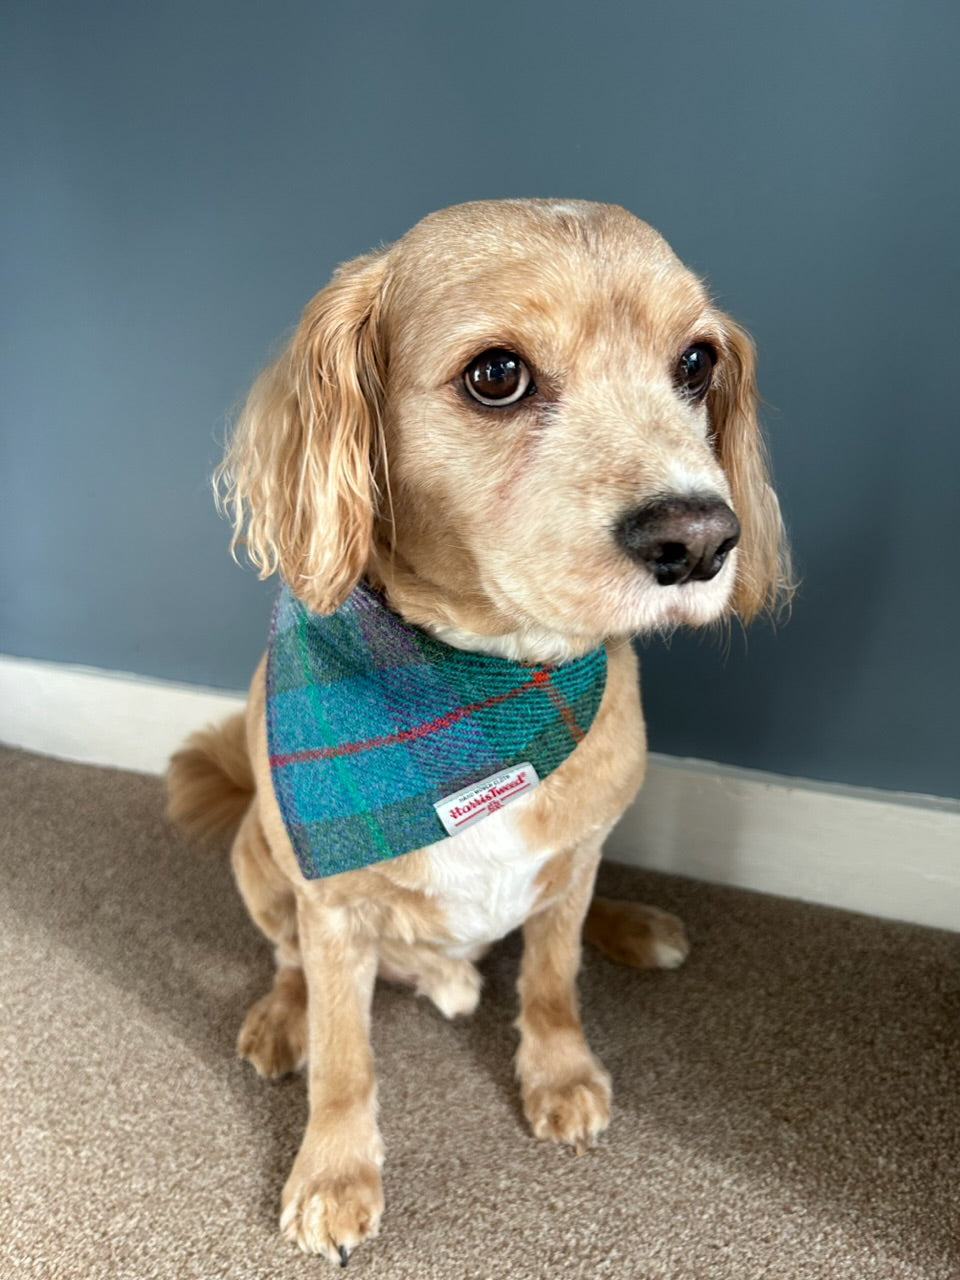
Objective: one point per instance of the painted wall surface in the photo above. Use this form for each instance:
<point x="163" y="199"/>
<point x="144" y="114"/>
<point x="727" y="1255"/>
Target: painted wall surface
<point x="180" y="178"/>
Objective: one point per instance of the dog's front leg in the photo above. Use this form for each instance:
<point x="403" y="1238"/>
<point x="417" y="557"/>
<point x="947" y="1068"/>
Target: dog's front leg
<point x="565" y="1090"/>
<point x="333" y="1198"/>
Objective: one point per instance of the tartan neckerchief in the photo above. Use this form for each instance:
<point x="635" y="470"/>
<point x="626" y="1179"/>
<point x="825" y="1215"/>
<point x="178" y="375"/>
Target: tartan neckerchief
<point x="371" y="721"/>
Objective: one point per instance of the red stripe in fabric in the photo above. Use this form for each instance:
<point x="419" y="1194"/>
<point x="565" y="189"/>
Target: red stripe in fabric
<point x="559" y="701"/>
<point x="409" y="735"/>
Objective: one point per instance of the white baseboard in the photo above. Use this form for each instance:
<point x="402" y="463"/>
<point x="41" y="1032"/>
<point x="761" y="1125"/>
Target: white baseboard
<point x="102" y="717"/>
<point x="883" y="853"/>
<point x="880" y="852"/>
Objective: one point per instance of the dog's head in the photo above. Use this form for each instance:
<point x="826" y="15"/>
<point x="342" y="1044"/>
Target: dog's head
<point x="527" y="421"/>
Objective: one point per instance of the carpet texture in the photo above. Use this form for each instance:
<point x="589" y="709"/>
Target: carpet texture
<point x="787" y="1104"/>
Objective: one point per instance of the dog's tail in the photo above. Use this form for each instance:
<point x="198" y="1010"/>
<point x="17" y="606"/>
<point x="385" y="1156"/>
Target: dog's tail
<point x="210" y="781"/>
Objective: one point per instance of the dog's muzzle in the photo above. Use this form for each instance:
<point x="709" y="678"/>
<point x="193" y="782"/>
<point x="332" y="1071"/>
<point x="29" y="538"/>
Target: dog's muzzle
<point x="680" y="538"/>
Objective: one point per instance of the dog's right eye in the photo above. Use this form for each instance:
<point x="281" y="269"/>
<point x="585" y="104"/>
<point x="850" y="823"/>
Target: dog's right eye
<point x="498" y="378"/>
<point x="694" y="370"/>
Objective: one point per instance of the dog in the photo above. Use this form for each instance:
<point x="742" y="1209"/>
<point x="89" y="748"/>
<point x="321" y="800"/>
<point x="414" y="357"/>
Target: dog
<point x="521" y="434"/>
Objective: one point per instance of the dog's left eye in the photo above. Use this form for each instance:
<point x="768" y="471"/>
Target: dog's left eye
<point x="695" y="370"/>
<point x="497" y="378"/>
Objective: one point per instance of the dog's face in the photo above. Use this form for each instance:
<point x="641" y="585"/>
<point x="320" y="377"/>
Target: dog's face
<point x="528" y="421"/>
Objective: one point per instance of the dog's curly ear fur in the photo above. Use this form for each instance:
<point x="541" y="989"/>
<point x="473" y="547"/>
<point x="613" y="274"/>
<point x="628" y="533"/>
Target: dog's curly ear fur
<point x="763" y="568"/>
<point x="299" y="475"/>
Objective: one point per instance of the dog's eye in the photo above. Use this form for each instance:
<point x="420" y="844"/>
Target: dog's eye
<point x="498" y="378"/>
<point x="695" y="370"/>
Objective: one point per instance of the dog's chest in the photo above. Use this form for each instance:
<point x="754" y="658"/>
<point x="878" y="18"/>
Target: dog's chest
<point x="485" y="880"/>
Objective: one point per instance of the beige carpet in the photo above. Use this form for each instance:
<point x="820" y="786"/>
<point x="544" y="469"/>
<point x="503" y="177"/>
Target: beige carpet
<point x="787" y="1104"/>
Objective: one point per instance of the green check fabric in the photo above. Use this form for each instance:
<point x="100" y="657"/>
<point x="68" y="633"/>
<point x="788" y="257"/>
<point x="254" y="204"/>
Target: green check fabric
<point x="370" y="721"/>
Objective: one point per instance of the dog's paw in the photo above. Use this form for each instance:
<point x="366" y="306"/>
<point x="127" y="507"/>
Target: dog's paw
<point x="274" y="1032"/>
<point x="573" y="1111"/>
<point x="331" y="1214"/>
<point x="637" y="935"/>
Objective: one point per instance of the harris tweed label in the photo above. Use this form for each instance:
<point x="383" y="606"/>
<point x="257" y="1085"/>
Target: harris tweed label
<point x="473" y="804"/>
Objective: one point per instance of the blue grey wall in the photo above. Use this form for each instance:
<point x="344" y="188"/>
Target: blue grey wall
<point x="183" y="176"/>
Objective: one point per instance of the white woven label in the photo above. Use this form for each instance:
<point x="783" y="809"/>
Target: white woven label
<point x="474" y="803"/>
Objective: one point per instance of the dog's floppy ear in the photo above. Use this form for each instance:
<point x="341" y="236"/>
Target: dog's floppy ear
<point x="763" y="568"/>
<point x="299" y="476"/>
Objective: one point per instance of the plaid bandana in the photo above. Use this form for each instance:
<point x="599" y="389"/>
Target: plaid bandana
<point x="371" y="722"/>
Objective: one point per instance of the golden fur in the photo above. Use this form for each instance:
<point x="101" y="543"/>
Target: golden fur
<point x="360" y="453"/>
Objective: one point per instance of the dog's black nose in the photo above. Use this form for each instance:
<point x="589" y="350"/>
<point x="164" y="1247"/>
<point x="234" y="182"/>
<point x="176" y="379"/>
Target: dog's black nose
<point x="680" y="538"/>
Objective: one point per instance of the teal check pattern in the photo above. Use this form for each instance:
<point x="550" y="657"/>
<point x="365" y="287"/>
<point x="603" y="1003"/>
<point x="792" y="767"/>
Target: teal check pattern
<point x="370" y="721"/>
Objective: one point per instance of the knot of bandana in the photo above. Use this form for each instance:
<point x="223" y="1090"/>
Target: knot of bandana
<point x="372" y="721"/>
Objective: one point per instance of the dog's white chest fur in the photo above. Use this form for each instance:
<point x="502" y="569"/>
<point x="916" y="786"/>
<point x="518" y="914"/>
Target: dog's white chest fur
<point x="484" y="880"/>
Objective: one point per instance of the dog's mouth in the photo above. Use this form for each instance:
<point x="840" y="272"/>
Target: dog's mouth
<point x="635" y="601"/>
<point x="691" y="598"/>
<point x="615" y="602"/>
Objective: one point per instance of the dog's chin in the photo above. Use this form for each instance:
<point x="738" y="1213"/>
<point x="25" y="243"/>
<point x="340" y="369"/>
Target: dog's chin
<point x="633" y="607"/>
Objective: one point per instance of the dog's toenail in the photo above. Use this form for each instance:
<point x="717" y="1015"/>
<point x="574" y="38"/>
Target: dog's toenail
<point x="344" y="1255"/>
